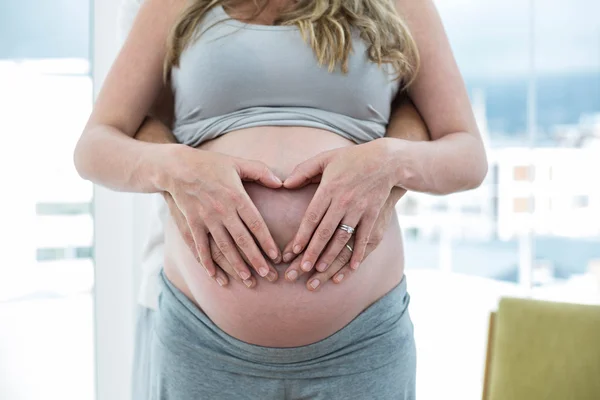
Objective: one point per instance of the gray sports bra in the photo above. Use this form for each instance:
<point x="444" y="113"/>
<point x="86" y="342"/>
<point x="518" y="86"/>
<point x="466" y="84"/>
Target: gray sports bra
<point x="240" y="75"/>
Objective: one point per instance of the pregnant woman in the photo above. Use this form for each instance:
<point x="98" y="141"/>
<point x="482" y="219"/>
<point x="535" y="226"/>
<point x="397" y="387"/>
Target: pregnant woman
<point x="305" y="87"/>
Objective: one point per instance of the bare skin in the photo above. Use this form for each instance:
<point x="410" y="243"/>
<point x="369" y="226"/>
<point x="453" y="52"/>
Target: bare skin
<point x="224" y="193"/>
<point x="405" y="123"/>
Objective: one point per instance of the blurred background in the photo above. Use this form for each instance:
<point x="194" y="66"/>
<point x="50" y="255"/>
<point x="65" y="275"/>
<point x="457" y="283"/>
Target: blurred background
<point x="532" y="230"/>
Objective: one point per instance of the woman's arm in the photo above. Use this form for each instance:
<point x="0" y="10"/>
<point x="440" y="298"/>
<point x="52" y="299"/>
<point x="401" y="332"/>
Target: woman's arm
<point x="405" y="123"/>
<point x="156" y="129"/>
<point x="454" y="159"/>
<point x="356" y="181"/>
<point x="206" y="186"/>
<point x="106" y="152"/>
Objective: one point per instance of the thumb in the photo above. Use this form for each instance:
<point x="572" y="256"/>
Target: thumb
<point x="256" y="171"/>
<point x="309" y="171"/>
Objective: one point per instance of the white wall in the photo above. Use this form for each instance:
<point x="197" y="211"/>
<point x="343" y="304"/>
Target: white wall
<point x="116" y="249"/>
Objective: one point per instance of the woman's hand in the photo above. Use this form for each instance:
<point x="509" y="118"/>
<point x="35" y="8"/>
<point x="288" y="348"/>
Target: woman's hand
<point x="223" y="267"/>
<point x="207" y="189"/>
<point x="340" y="268"/>
<point x="355" y="183"/>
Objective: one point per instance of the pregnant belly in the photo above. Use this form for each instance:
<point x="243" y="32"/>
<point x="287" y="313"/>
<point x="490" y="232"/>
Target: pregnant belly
<point x="283" y="314"/>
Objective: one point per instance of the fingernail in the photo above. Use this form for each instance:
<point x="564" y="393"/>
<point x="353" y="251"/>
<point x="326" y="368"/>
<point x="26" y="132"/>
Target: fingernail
<point x="339" y="278"/>
<point x="306" y="266"/>
<point x="315" y="283"/>
<point x="221" y="281"/>
<point x="355" y="265"/>
<point x="273" y="254"/>
<point x="245" y="275"/>
<point x="287" y="257"/>
<point x="263" y="271"/>
<point x="297" y="249"/>
<point x="292" y="275"/>
<point x="322" y="267"/>
<point x="271" y="276"/>
<point x="248" y="283"/>
<point x="276" y="179"/>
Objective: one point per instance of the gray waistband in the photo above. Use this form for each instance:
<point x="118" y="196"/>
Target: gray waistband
<point x="382" y="322"/>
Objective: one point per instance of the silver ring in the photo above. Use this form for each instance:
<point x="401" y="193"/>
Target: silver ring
<point x="346" y="228"/>
<point x="349" y="248"/>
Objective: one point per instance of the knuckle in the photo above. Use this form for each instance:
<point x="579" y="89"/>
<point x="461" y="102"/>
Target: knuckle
<point x="224" y="246"/>
<point x="363" y="241"/>
<point x="342" y="237"/>
<point x="242" y="240"/>
<point x="312" y="217"/>
<point x="376" y="238"/>
<point x="345" y="200"/>
<point x="324" y="233"/>
<point x="236" y="198"/>
<point x="219" y="207"/>
<point x="218" y="257"/>
<point x="255" y="225"/>
<point x="344" y="257"/>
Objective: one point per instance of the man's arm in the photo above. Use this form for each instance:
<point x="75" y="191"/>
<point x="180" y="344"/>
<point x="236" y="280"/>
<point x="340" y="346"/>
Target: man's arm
<point x="406" y="122"/>
<point x="156" y="128"/>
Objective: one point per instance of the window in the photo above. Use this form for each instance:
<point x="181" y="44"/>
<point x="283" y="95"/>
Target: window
<point x="523" y="173"/>
<point x="581" y="201"/>
<point x="521" y="205"/>
<point x="533" y="236"/>
<point x="46" y="277"/>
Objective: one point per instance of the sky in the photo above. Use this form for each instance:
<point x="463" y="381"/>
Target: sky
<point x="489" y="37"/>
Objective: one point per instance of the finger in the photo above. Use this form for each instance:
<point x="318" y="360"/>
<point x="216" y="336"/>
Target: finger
<point x="293" y="272"/>
<point x="342" y="273"/>
<point x="312" y="218"/>
<point x="337" y="243"/>
<point x="182" y="224"/>
<point x="221" y="278"/>
<point x="230" y="251"/>
<point x="346" y="271"/>
<point x="317" y="280"/>
<point x="307" y="172"/>
<point x="256" y="171"/>
<point x="247" y="246"/>
<point x="321" y="237"/>
<point x="225" y="270"/>
<point x="288" y="253"/>
<point x="272" y="276"/>
<point x="257" y="226"/>
<point x="362" y="239"/>
<point x="222" y="262"/>
<point x="203" y="250"/>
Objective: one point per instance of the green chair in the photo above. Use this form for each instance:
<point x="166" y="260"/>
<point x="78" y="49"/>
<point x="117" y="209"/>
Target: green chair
<point x="541" y="350"/>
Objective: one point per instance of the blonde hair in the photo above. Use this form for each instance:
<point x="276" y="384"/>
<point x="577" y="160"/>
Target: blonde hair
<point x="326" y="25"/>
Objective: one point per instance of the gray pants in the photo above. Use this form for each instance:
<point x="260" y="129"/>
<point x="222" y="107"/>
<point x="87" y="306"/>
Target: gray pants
<point x="182" y="355"/>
